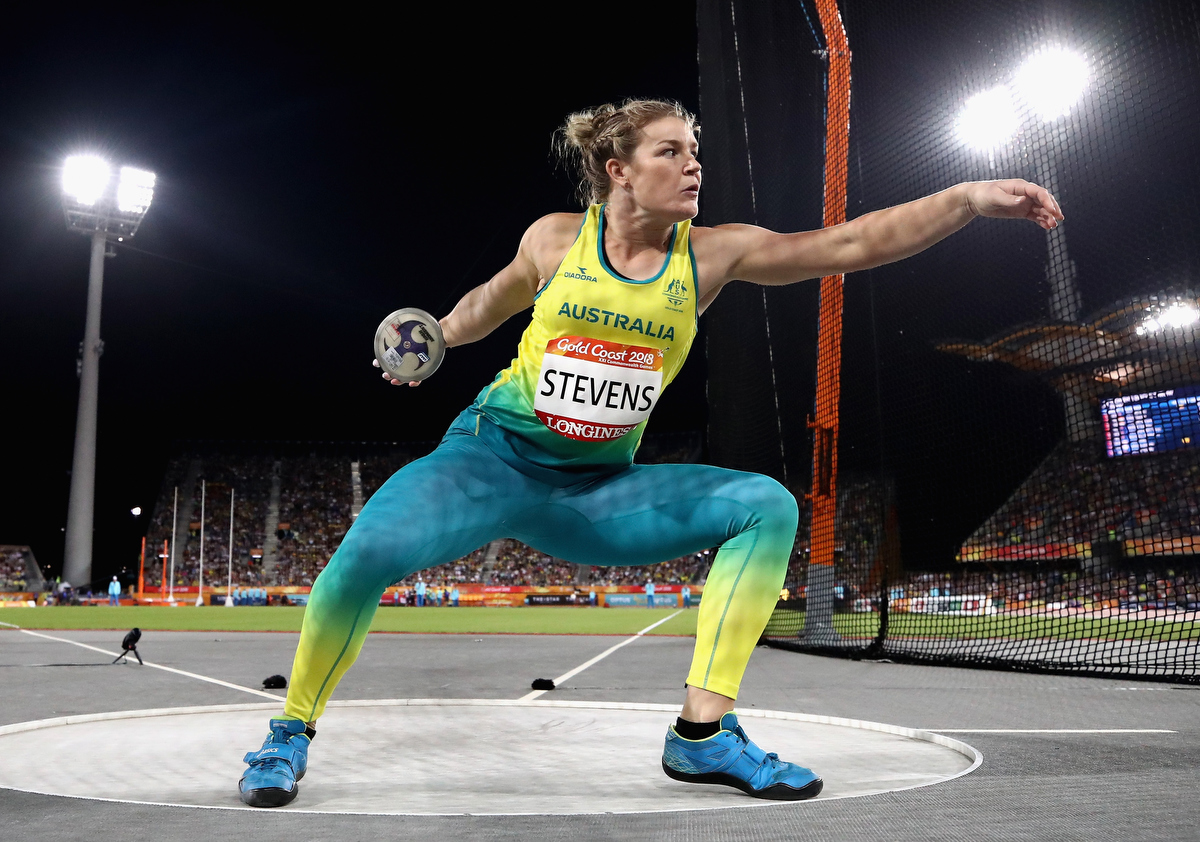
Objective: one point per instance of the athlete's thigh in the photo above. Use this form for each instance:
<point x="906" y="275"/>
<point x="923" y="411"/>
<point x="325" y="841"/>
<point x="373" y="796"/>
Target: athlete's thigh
<point x="649" y="513"/>
<point x="439" y="508"/>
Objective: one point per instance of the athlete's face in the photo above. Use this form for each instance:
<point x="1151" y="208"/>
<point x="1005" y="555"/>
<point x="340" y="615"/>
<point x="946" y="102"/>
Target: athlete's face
<point x="664" y="175"/>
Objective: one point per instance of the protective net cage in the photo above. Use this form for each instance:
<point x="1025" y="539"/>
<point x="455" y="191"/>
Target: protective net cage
<point x="996" y="443"/>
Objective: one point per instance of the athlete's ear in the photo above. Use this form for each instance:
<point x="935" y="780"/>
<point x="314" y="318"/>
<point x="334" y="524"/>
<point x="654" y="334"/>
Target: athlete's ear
<point x="618" y="173"/>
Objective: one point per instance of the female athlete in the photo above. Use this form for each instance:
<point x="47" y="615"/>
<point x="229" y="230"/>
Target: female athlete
<point x="545" y="453"/>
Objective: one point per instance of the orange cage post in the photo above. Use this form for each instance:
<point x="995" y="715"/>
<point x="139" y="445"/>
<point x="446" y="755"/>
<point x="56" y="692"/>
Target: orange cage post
<point x="824" y="424"/>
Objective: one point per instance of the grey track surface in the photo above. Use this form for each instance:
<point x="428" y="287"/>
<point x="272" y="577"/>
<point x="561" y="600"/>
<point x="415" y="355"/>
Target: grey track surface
<point x="1031" y="786"/>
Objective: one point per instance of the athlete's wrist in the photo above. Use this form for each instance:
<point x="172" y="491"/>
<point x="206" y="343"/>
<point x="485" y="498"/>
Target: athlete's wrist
<point x="966" y="198"/>
<point x="448" y="332"/>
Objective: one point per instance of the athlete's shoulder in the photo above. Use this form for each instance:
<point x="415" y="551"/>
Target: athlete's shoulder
<point x="548" y="240"/>
<point x="557" y="226"/>
<point x="718" y="234"/>
<point x="719" y="248"/>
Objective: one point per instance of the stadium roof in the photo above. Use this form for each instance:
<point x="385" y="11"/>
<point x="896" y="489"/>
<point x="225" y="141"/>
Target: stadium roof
<point x="1142" y="343"/>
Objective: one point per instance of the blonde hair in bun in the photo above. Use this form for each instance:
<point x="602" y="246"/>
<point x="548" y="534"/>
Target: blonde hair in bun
<point x="589" y="138"/>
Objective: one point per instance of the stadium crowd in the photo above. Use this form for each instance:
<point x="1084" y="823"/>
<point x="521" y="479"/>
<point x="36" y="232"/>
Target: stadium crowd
<point x="689" y="569"/>
<point x="1122" y="588"/>
<point x="1073" y="496"/>
<point x="1077" y="495"/>
<point x="314" y="515"/>
<point x="249" y="479"/>
<point x="863" y="502"/>
<point x="12" y="570"/>
<point x="518" y="564"/>
<point x="315" y="500"/>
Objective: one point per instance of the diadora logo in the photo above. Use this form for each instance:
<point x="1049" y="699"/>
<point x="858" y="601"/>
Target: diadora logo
<point x="581" y="275"/>
<point x="676" y="292"/>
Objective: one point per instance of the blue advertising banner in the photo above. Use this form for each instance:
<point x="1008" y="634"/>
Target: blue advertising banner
<point x="638" y="600"/>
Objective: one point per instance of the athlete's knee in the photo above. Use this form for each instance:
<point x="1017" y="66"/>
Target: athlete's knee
<point x="772" y="505"/>
<point x="370" y="552"/>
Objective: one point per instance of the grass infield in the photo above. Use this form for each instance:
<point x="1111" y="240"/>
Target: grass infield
<point x="579" y="620"/>
<point x="522" y="620"/>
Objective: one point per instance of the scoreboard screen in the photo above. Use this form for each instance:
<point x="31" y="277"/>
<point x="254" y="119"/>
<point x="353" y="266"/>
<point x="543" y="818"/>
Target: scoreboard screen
<point x="1152" y="422"/>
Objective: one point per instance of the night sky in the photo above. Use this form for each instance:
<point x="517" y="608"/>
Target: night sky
<point x="314" y="174"/>
<point x="317" y="172"/>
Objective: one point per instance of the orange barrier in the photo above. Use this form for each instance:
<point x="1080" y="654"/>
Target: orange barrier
<point x="824" y="424"/>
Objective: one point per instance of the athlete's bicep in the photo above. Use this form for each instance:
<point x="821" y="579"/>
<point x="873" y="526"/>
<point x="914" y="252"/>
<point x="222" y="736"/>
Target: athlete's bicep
<point x="772" y="258"/>
<point x="761" y="256"/>
<point x="514" y="287"/>
<point x="490" y="304"/>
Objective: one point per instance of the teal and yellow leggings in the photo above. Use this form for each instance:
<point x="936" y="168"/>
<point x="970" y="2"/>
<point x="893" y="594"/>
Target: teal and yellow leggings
<point x="463" y="495"/>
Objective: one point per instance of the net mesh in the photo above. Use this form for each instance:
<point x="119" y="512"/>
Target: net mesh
<point x="998" y="458"/>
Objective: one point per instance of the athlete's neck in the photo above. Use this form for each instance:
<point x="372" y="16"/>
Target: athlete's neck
<point x="635" y="240"/>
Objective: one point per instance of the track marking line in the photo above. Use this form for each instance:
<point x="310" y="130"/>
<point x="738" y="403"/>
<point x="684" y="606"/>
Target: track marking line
<point x="1049" y="731"/>
<point x="185" y="673"/>
<point x="528" y="697"/>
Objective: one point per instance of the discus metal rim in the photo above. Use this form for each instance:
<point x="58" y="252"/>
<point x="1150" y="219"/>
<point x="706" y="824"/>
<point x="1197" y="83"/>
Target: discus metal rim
<point x="437" y="349"/>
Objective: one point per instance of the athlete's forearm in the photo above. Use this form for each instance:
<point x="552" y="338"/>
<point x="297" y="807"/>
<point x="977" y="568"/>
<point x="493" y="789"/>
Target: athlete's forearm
<point x="484" y="309"/>
<point x="766" y="257"/>
<point x="470" y="320"/>
<point x="749" y="253"/>
<point x="895" y="233"/>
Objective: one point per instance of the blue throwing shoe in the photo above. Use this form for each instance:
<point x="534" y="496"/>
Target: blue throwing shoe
<point x="274" y="769"/>
<point x="728" y="757"/>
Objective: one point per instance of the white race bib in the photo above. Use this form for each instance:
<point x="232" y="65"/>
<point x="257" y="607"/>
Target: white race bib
<point x="591" y="390"/>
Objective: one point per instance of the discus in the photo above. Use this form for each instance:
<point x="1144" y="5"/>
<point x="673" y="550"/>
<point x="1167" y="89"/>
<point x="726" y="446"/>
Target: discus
<point x="409" y="344"/>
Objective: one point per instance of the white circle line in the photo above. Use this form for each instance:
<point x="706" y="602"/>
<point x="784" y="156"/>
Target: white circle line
<point x="968" y="751"/>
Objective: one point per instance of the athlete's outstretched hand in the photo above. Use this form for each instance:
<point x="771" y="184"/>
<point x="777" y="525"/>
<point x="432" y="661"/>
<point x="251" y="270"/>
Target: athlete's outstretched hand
<point x="1014" y="198"/>
<point x="393" y="380"/>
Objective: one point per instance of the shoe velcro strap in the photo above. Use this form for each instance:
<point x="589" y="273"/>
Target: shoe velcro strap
<point x="753" y="753"/>
<point x="274" y="751"/>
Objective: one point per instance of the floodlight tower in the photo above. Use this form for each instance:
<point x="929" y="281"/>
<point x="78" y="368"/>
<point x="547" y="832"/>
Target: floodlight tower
<point x="1044" y="89"/>
<point x="106" y="207"/>
<point x="1048" y="84"/>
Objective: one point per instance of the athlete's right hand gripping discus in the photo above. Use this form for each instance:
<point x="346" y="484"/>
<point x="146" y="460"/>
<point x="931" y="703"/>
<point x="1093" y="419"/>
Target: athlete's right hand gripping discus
<point x="409" y="344"/>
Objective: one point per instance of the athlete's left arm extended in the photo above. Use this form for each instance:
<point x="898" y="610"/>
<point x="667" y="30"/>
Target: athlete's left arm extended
<point x="754" y="254"/>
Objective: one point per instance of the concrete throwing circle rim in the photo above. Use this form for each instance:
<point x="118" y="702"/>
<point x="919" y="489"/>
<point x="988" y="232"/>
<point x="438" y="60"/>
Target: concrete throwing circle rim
<point x="965" y="749"/>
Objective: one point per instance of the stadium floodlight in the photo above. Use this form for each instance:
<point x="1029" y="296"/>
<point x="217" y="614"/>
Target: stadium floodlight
<point x="85" y="177"/>
<point x="105" y="209"/>
<point x="1178" y="317"/>
<point x="1051" y="81"/>
<point x="988" y="119"/>
<point x="135" y="190"/>
<point x="136" y="511"/>
<point x="94" y="202"/>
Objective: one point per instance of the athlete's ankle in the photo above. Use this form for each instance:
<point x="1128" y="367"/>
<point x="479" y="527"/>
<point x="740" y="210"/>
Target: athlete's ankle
<point x="310" y="728"/>
<point x="696" y="730"/>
